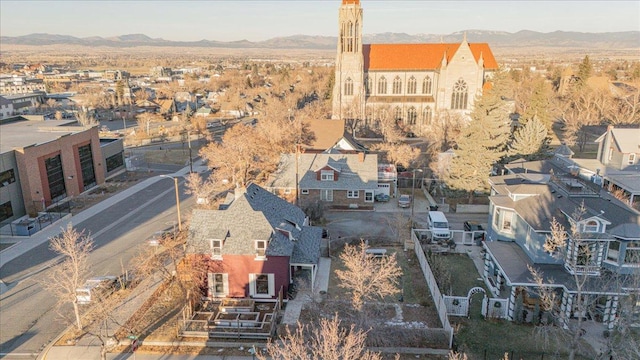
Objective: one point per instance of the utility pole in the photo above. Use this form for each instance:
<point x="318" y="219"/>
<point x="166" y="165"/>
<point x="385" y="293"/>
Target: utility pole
<point x="190" y="158"/>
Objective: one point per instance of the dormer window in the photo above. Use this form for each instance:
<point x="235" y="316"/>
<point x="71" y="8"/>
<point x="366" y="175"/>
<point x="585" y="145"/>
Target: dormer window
<point x="261" y="249"/>
<point x="216" y="249"/>
<point x="591" y="226"/>
<point x="326" y="175"/>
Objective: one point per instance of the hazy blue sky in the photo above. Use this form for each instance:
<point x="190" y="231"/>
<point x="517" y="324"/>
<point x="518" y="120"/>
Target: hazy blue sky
<point x="261" y="20"/>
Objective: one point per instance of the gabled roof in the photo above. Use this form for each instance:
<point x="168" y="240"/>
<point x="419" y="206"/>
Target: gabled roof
<point x="354" y="173"/>
<point x="627" y="140"/>
<point x="539" y="210"/>
<point x="420" y="56"/>
<point x="256" y="215"/>
<point x="326" y="133"/>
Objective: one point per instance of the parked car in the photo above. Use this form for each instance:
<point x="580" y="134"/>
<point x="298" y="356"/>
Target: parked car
<point x="95" y="286"/>
<point x="382" y="197"/>
<point x="404" y="201"/>
<point x="478" y="230"/>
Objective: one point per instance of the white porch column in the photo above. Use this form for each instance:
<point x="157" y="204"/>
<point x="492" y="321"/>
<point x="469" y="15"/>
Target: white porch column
<point x="487" y="261"/>
<point x="569" y="307"/>
<point x="314" y="271"/>
<point x="607" y="311"/>
<point x="512" y="303"/>
<point x="612" y="313"/>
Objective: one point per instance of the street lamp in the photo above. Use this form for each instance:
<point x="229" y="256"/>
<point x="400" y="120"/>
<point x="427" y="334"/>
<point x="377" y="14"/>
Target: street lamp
<point x="413" y="190"/>
<point x="175" y="182"/>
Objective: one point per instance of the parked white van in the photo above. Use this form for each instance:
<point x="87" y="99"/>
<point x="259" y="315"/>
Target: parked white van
<point x="439" y="226"/>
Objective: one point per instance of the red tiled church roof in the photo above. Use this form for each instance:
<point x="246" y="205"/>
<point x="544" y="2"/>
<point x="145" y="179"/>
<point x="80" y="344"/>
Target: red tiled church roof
<point x="419" y="56"/>
<point x="347" y="2"/>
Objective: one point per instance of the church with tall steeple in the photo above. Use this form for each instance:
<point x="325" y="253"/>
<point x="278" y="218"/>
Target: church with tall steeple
<point x="410" y="83"/>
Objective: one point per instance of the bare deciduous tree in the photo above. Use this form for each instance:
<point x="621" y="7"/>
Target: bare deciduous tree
<point x="85" y="118"/>
<point x="238" y="159"/>
<point x="328" y="341"/>
<point x="367" y="277"/>
<point x="404" y="155"/>
<point x="71" y="274"/>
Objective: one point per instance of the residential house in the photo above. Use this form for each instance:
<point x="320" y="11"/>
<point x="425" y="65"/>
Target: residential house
<point x="255" y="246"/>
<point x="616" y="167"/>
<point x="149" y="106"/>
<point x="334" y="179"/>
<point x="6" y="107"/>
<point x="522" y="209"/>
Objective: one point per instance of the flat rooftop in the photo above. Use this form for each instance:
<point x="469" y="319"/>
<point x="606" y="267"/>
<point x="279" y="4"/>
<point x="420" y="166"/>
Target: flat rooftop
<point x="23" y="133"/>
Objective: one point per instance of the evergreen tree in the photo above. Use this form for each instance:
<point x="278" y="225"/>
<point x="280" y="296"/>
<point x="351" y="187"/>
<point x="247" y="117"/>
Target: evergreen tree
<point x="585" y="70"/>
<point x="538" y="103"/>
<point x="483" y="142"/>
<point x="530" y="140"/>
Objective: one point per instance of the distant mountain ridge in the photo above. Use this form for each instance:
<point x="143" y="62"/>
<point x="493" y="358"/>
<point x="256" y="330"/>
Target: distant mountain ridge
<point x="524" y="38"/>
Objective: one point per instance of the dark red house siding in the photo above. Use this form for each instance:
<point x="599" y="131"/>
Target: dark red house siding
<point x="240" y="266"/>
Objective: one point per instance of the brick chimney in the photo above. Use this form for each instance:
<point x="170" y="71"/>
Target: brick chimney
<point x="361" y="156"/>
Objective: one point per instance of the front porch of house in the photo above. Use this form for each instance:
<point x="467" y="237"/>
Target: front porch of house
<point x="507" y="275"/>
<point x="230" y="319"/>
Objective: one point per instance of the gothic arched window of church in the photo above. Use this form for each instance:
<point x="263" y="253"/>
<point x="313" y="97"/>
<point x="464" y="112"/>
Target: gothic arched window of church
<point x="397" y="113"/>
<point x="348" y="37"/>
<point x="426" y="116"/>
<point x="368" y="85"/>
<point x="412" y="85"/>
<point x="459" y="96"/>
<point x="348" y="87"/>
<point x="412" y="115"/>
<point x="397" y="85"/>
<point x="426" y="85"/>
<point x="382" y="86"/>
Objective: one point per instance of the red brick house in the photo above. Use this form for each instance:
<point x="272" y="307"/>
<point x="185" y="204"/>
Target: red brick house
<point x="256" y="245"/>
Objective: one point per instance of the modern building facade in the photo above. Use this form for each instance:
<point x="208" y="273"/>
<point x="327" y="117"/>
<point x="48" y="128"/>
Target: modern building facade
<point x="410" y="83"/>
<point x="42" y="162"/>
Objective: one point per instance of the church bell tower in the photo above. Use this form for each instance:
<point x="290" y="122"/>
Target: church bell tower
<point x="348" y="90"/>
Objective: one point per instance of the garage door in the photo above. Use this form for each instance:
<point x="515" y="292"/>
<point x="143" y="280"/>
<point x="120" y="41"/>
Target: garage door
<point x="384" y="189"/>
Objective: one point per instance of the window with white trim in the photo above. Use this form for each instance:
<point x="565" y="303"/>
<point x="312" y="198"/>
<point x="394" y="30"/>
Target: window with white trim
<point x="632" y="254"/>
<point x="304" y="191"/>
<point x="503" y="220"/>
<point x="353" y="194"/>
<point x="216" y="248"/>
<point x="326" y="175"/>
<point x="632" y="159"/>
<point x="368" y="196"/>
<point x="591" y="226"/>
<point x="218" y="284"/>
<point x="326" y="195"/>
<point x="262" y="285"/>
<point x="614" y="251"/>
<point x="261" y="249"/>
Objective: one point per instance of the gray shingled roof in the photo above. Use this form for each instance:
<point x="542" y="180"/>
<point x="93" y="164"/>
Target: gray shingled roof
<point x="539" y="210"/>
<point x="353" y="173"/>
<point x="256" y="215"/>
<point x="514" y="262"/>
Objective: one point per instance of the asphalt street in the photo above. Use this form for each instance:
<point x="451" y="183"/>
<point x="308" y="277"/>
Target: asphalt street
<point x="28" y="316"/>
